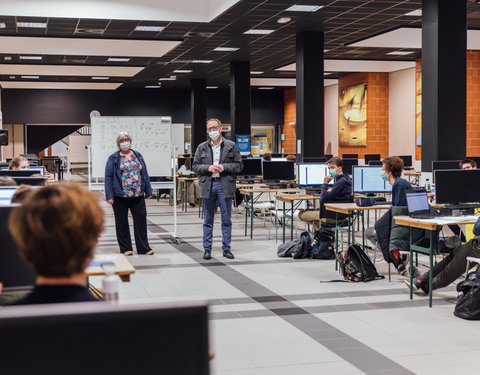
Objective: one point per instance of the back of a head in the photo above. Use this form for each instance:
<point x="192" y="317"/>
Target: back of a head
<point x="393" y="164"/>
<point x="56" y="229"/>
<point x="7" y="181"/>
<point x="291" y="158"/>
<point x="22" y="193"/>
<point x="267" y="156"/>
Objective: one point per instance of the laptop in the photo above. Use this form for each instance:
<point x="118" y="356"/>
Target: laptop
<point x="418" y="206"/>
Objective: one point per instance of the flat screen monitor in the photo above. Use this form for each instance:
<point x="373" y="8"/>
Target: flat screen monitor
<point x="90" y="338"/>
<point x="444" y="164"/>
<point x="278" y="170"/>
<point x="6" y="194"/>
<point x="312" y="174"/>
<point x="314" y="159"/>
<point x="278" y="159"/>
<point x="457" y="186"/>
<point x="33" y="181"/>
<point x="276" y="155"/>
<point x="349" y="156"/>
<point x="22" y="172"/>
<point x="371" y="157"/>
<point x="348" y="164"/>
<point x="407" y="160"/>
<point x="14" y="272"/>
<point x="328" y="156"/>
<point x="375" y="162"/>
<point x="367" y="179"/>
<point x="251" y="167"/>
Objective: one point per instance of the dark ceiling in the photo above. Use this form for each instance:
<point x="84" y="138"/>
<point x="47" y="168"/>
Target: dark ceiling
<point x="342" y="21"/>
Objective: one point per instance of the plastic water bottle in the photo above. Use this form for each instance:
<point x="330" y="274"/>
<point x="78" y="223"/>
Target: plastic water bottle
<point x="427" y="185"/>
<point x="110" y="284"/>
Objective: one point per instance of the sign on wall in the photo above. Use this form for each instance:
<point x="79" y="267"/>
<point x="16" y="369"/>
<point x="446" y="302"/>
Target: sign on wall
<point x="243" y="143"/>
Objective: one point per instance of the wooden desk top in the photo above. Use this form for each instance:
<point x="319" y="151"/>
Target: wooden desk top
<point x="186" y="178"/>
<point x="428" y="224"/>
<point x="245" y="186"/>
<point x="348" y="208"/>
<point x="123" y="268"/>
<point x="262" y="190"/>
<point x="295" y="197"/>
<point x="412" y="173"/>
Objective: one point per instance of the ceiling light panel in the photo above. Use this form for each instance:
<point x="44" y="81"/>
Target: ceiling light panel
<point x="150" y="28"/>
<point x="30" y="77"/>
<point x="226" y="49"/>
<point x="59" y="85"/>
<point x="304" y="8"/>
<point x="202" y="61"/>
<point x="400" y="53"/>
<point x="256" y="72"/>
<point x="85" y="46"/>
<point x="259" y="32"/>
<point x="30" y="57"/>
<point x="33" y="25"/>
<point x="183" y="71"/>
<point x="212" y="87"/>
<point x="152" y="87"/>
<point x="101" y="78"/>
<point x="69" y="70"/>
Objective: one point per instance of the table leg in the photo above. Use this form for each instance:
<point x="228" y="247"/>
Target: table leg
<point x="336" y="241"/>
<point x="283" y="222"/>
<point x="246" y="214"/>
<point x="350" y="223"/>
<point x="363" y="229"/>
<point x="430" y="274"/>
<point x="185" y="192"/>
<point x="252" y="212"/>
<point x="291" y="225"/>
<point x="411" y="263"/>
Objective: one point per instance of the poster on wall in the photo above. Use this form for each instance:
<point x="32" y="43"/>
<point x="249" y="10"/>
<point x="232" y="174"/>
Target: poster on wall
<point x="352" y="115"/>
<point x="243" y="143"/>
<point x="418" y="108"/>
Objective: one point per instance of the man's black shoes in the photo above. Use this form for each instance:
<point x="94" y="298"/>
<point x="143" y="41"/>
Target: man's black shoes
<point x="207" y="255"/>
<point x="228" y="254"/>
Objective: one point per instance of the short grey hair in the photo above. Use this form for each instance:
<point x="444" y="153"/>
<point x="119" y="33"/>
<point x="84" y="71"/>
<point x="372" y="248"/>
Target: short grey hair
<point x="120" y="137"/>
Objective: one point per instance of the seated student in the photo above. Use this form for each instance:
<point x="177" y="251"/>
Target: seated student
<point x="390" y="237"/>
<point x="56" y="231"/>
<point x="18" y="162"/>
<point x="267" y="157"/>
<point x="468" y="164"/>
<point x="22" y="193"/>
<point x="341" y="189"/>
<point x="192" y="193"/>
<point x="7" y="181"/>
<point x="451" y="267"/>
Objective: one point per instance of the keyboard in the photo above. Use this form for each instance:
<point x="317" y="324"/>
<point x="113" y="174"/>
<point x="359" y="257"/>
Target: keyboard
<point x="462" y="206"/>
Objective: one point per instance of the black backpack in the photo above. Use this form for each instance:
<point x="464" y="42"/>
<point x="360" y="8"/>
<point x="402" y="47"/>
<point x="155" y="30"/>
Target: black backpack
<point x="323" y="244"/>
<point x="355" y="265"/>
<point x="468" y="304"/>
<point x="303" y="248"/>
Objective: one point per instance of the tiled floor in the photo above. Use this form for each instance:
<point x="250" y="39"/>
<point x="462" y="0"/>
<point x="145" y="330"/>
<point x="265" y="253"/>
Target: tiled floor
<point x="282" y="316"/>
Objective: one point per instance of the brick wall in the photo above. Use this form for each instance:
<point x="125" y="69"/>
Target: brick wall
<point x="289" y="144"/>
<point x="473" y="103"/>
<point x="377" y="112"/>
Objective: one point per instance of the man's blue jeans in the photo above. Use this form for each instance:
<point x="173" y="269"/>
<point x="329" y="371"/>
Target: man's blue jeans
<point x="209" y="205"/>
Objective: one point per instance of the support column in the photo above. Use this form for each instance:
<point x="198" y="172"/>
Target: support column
<point x="310" y="95"/>
<point x="240" y="98"/>
<point x="199" y="112"/>
<point x="444" y="76"/>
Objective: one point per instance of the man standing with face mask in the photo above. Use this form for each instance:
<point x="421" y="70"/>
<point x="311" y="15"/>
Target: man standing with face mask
<point x="216" y="162"/>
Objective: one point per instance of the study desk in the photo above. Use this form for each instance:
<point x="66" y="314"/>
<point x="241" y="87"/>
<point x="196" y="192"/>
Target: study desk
<point x="291" y="198"/>
<point x="432" y="226"/>
<point x="123" y="268"/>
<point x="350" y="209"/>
<point x="415" y="174"/>
<point x="249" y="201"/>
<point x="185" y="183"/>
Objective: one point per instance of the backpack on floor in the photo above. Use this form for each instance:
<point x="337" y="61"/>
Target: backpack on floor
<point x="323" y="244"/>
<point x="355" y="265"/>
<point x="303" y="247"/>
<point x="284" y="250"/>
<point x="468" y="304"/>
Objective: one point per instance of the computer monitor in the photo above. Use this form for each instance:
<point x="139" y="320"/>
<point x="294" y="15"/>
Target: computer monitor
<point x="33" y="181"/>
<point x="417" y="202"/>
<point x="6" y="194"/>
<point x="348" y="164"/>
<point x="371" y="157"/>
<point x="457" y="186"/>
<point x="251" y="167"/>
<point x="91" y="338"/>
<point x="21" y="172"/>
<point x="312" y="174"/>
<point x="407" y="160"/>
<point x="314" y="159"/>
<point x="375" y="162"/>
<point x="14" y="272"/>
<point x="349" y="156"/>
<point x="444" y="164"/>
<point x="328" y="156"/>
<point x="278" y="159"/>
<point x="367" y="179"/>
<point x="278" y="170"/>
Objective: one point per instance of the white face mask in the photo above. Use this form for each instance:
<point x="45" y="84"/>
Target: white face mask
<point x="124" y="146"/>
<point x="214" y="134"/>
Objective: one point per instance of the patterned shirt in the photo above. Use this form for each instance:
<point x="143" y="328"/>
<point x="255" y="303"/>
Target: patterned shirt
<point x="131" y="176"/>
<point x="216" y="156"/>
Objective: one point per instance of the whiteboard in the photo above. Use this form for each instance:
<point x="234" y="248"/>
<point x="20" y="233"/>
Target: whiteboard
<point x="178" y="139"/>
<point x="151" y="136"/>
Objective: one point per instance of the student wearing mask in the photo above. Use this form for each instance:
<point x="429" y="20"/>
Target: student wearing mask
<point x="56" y="230"/>
<point x="340" y="190"/>
<point x="126" y="185"/>
<point x="216" y="163"/>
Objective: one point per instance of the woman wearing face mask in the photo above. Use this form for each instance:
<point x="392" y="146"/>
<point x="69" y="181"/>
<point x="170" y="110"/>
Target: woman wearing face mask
<point x="126" y="185"/>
